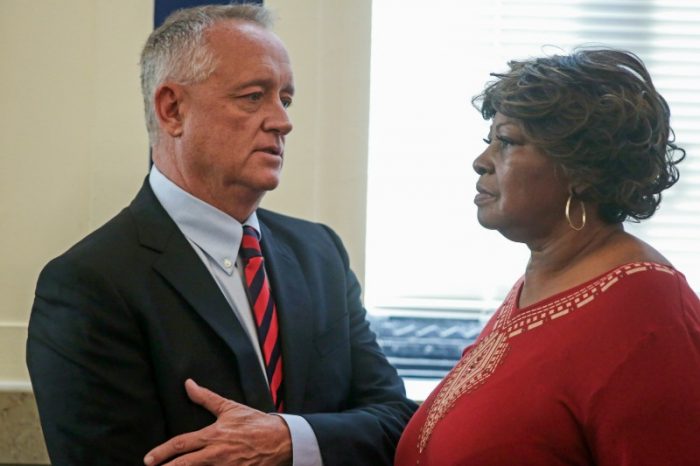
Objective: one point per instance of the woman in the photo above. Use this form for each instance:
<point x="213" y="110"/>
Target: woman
<point x="594" y="356"/>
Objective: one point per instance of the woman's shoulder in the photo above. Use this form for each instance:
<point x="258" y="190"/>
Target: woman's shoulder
<point x="624" y="248"/>
<point x="633" y="249"/>
<point x="652" y="297"/>
<point x="629" y="256"/>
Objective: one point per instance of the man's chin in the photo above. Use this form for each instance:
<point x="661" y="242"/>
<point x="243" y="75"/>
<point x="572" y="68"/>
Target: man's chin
<point x="269" y="184"/>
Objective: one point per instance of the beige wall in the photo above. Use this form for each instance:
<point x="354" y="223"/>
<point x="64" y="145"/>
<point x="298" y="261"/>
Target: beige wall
<point x="73" y="148"/>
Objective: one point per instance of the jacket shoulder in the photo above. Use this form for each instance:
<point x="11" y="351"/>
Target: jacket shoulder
<point x="277" y="220"/>
<point x="302" y="234"/>
<point x="104" y="241"/>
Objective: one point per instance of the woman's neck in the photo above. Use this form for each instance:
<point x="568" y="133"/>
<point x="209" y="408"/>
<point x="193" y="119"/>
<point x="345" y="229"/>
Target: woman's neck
<point x="571" y="258"/>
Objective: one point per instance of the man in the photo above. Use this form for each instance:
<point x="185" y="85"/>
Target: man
<point x="132" y="323"/>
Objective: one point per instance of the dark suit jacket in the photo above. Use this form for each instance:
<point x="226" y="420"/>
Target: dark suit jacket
<point x="126" y="315"/>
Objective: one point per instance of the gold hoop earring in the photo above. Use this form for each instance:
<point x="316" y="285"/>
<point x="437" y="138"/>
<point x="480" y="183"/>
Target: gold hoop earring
<point x="568" y="217"/>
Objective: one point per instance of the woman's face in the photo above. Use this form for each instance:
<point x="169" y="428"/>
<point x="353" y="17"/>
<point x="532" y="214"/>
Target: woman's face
<point x="521" y="191"/>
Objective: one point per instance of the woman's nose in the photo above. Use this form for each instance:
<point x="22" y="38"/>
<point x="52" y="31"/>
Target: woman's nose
<point x="480" y="164"/>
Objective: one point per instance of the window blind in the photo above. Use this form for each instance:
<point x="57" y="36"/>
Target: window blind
<point x="428" y="60"/>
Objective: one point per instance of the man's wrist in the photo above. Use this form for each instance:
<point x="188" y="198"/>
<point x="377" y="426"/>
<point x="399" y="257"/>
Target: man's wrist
<point x="284" y="452"/>
<point x="305" y="448"/>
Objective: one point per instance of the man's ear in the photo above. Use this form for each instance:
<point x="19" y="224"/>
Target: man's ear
<point x="168" y="107"/>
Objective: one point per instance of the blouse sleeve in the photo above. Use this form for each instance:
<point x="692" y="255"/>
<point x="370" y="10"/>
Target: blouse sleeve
<point x="648" y="411"/>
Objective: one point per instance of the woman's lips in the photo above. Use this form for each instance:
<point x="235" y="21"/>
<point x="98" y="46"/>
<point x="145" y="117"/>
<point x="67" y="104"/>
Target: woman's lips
<point x="482" y="195"/>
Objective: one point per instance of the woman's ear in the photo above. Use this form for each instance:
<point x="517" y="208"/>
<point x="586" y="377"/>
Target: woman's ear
<point x="579" y="189"/>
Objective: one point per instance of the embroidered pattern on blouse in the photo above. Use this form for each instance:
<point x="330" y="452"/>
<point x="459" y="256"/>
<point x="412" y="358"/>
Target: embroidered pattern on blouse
<point x="489" y="351"/>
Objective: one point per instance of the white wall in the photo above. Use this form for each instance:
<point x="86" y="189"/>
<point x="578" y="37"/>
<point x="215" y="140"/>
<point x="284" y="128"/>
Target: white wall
<point x="326" y="164"/>
<point x="73" y="147"/>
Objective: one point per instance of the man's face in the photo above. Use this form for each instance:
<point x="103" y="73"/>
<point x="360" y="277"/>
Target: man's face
<point x="234" y="123"/>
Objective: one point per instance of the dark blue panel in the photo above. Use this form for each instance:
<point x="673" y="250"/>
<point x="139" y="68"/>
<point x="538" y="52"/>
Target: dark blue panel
<point x="164" y="7"/>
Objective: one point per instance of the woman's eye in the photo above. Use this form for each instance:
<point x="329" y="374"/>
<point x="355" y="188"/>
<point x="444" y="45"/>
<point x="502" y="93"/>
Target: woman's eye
<point x="487" y="140"/>
<point x="505" y="142"/>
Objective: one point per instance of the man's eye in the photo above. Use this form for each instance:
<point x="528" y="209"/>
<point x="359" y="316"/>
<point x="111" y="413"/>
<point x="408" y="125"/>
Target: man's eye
<point x="255" y="96"/>
<point x="286" y="103"/>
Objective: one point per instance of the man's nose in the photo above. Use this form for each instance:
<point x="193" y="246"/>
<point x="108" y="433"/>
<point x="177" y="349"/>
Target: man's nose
<point x="278" y="120"/>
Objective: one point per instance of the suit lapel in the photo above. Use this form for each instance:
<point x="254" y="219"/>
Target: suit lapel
<point x="183" y="269"/>
<point x="293" y="304"/>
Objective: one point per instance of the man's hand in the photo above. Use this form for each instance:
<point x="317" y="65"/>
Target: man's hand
<point x="240" y="436"/>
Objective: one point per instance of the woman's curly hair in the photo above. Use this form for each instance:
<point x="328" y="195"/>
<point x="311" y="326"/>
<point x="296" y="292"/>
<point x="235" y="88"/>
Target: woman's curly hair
<point x="598" y="114"/>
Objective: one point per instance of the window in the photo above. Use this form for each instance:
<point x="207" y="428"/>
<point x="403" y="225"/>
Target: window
<point x="433" y="274"/>
<point x="425" y="249"/>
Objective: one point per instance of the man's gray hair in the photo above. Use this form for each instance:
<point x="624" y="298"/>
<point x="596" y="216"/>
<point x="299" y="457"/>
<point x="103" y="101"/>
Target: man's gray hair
<point x="177" y="50"/>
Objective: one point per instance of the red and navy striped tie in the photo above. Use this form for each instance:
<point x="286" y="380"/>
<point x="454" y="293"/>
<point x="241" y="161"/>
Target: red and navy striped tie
<point x="264" y="310"/>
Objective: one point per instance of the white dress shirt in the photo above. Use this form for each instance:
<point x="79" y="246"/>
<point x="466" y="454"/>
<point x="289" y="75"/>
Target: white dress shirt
<point x="216" y="238"/>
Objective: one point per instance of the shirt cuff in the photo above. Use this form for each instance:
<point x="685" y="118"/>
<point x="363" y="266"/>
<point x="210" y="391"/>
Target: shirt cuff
<point x="305" y="450"/>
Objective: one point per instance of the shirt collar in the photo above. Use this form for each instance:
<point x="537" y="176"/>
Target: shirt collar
<point x="214" y="231"/>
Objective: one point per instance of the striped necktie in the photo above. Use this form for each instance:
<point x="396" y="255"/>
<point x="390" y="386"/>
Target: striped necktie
<point x="264" y="311"/>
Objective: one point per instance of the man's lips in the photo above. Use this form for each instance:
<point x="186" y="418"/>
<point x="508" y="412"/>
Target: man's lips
<point x="272" y="150"/>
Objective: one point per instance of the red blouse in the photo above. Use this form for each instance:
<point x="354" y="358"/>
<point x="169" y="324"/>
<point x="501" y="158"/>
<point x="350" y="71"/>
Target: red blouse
<point x="607" y="373"/>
